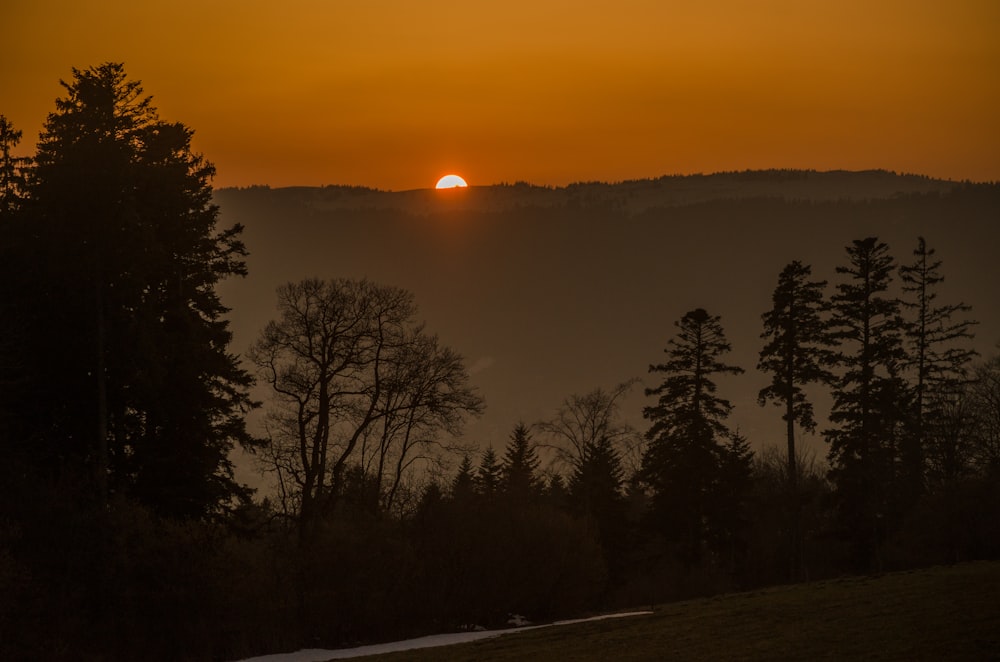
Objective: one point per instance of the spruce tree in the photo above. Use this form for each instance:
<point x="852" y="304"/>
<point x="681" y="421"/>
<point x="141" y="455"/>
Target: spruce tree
<point x="14" y="304"/>
<point x="463" y="484"/>
<point x="797" y="350"/>
<point x="936" y="358"/>
<point x="489" y="475"/>
<point x="686" y="437"/>
<point x="870" y="398"/>
<point x="134" y="383"/>
<point x="13" y="183"/>
<point x="733" y="520"/>
<point x="796" y="354"/>
<point x="595" y="492"/>
<point x="520" y="462"/>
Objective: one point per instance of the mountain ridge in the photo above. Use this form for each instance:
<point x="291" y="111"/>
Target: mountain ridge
<point x="633" y="196"/>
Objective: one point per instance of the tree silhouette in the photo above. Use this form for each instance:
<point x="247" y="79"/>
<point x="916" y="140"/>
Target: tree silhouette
<point x="133" y="377"/>
<point x="796" y="354"/>
<point x="13" y="183"/>
<point x="870" y="398"/>
<point x="595" y="492"/>
<point x="489" y="475"/>
<point x="346" y="362"/>
<point x="935" y="357"/>
<point x="463" y="484"/>
<point x="682" y="463"/>
<point x="583" y="421"/>
<point x="735" y="483"/>
<point x="520" y="464"/>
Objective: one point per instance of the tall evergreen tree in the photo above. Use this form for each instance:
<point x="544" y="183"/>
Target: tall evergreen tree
<point x="870" y="397"/>
<point x="683" y="461"/>
<point x="133" y="376"/>
<point x="595" y="485"/>
<point x="489" y="475"/>
<point x="796" y="353"/>
<point x="797" y="350"/>
<point x="936" y="358"/>
<point x="463" y="484"/>
<point x="13" y="183"/>
<point x="520" y="464"/>
<point x="735" y="483"/>
<point x="14" y="305"/>
<point x="595" y="492"/>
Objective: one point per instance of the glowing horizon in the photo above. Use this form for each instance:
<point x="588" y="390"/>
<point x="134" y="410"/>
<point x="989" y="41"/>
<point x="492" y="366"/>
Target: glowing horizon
<point x="386" y="95"/>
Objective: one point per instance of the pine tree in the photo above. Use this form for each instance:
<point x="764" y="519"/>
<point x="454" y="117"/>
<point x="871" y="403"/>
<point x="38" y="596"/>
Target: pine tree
<point x="736" y="480"/>
<point x="796" y="354"/>
<point x="936" y="358"/>
<point x="595" y="492"/>
<point x="520" y="462"/>
<point x="556" y="493"/>
<point x="133" y="378"/>
<point x="598" y="477"/>
<point x="14" y="305"/>
<point x="464" y="482"/>
<point x="683" y="461"/>
<point x="489" y="475"/>
<point x="13" y="183"/>
<point x="870" y="398"/>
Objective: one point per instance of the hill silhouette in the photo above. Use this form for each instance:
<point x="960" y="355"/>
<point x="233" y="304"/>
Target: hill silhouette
<point x="553" y="291"/>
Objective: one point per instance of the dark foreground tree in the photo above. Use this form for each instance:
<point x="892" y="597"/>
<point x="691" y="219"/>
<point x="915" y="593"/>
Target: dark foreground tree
<point x="796" y="353"/>
<point x="13" y="183"/>
<point x="132" y="381"/>
<point x="687" y="434"/>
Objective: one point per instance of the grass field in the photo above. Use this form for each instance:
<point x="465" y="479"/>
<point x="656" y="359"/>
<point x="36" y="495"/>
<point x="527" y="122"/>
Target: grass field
<point x="945" y="613"/>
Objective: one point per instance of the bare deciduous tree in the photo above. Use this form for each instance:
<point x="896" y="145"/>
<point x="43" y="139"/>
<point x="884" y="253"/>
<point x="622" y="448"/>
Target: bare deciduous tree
<point x="357" y="383"/>
<point x="584" y="421"/>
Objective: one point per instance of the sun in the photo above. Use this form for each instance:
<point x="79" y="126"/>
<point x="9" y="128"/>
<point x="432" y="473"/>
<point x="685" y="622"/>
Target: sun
<point x="451" y="181"/>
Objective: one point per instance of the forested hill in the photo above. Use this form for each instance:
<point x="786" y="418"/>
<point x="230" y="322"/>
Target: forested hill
<point x="634" y="195"/>
<point x="549" y="292"/>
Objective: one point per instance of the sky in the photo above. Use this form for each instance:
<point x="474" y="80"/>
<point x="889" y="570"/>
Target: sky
<point x="392" y="94"/>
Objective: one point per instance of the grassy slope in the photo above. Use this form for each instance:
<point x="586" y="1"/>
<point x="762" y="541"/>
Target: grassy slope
<point x="947" y="613"/>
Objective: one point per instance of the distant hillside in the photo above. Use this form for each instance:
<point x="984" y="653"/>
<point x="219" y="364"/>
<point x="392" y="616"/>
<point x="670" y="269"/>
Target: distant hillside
<point x="633" y="196"/>
<point x="550" y="292"/>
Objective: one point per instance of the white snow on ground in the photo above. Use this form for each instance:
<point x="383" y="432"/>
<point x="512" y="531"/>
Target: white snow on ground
<point x="432" y="641"/>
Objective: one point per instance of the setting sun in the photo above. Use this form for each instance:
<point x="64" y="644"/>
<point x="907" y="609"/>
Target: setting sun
<point x="451" y="181"/>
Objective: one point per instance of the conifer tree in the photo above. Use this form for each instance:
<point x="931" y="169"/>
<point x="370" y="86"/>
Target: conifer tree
<point x="796" y="354"/>
<point x="489" y="475"/>
<point x="595" y="492"/>
<point x="683" y="461"/>
<point x="133" y="378"/>
<point x="14" y="305"/>
<point x="870" y="397"/>
<point x="13" y="183"/>
<point x="463" y="484"/>
<point x="797" y="350"/>
<point x="936" y="357"/>
<point x="520" y="462"/>
<point x="735" y="483"/>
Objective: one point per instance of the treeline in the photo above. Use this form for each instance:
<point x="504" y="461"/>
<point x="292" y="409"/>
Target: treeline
<point x="124" y="535"/>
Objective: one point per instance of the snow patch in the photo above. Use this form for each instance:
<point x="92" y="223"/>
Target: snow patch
<point x="432" y="641"/>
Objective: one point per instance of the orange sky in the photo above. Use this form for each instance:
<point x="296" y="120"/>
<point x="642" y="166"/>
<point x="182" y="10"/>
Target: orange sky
<point x="394" y="93"/>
